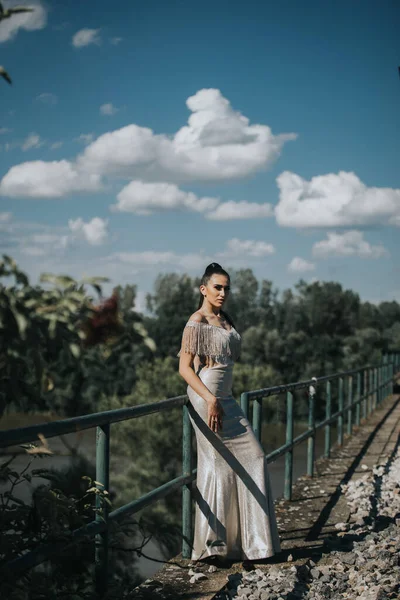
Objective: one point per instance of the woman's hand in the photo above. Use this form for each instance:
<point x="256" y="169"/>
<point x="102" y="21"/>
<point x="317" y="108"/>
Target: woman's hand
<point x="215" y="414"/>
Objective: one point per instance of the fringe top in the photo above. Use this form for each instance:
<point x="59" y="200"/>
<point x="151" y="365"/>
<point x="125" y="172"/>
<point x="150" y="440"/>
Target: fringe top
<point x="204" y="339"/>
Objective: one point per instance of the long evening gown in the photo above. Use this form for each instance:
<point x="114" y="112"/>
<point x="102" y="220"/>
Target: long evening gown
<point x="235" y="516"/>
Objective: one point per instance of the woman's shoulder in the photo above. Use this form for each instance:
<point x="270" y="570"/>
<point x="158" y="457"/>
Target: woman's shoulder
<point x="197" y="317"/>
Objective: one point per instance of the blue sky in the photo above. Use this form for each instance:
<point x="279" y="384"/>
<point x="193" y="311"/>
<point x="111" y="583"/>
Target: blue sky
<point x="140" y="138"/>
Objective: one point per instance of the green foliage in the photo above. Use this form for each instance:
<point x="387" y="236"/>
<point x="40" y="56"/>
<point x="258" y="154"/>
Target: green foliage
<point x="151" y="445"/>
<point x="50" y="519"/>
<point x="43" y="363"/>
<point x="175" y="298"/>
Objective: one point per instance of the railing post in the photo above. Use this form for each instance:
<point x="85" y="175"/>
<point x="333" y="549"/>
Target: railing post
<point x="311" y="426"/>
<point x="371" y="391"/>
<point x="187" y="466"/>
<point x="391" y="371"/>
<point x="375" y="387"/>
<point x="350" y="404"/>
<point x="103" y="480"/>
<point x="358" y="407"/>
<point x="380" y="384"/>
<point x="385" y="388"/>
<point x="244" y="403"/>
<point x="365" y="393"/>
<point x="289" y="453"/>
<point x="340" y="418"/>
<point x="257" y="417"/>
<point x="328" y="414"/>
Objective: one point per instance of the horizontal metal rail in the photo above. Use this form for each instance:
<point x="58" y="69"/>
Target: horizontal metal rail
<point x="22" y="435"/>
<point x="377" y="381"/>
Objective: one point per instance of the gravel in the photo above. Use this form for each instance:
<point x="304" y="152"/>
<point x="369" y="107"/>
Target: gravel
<point x="362" y="564"/>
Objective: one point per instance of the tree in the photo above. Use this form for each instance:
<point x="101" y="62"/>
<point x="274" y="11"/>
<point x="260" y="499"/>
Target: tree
<point x="174" y="299"/>
<point x="242" y="304"/>
<point x="44" y="362"/>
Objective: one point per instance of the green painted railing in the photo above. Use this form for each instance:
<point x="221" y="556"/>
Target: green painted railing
<point x="358" y="389"/>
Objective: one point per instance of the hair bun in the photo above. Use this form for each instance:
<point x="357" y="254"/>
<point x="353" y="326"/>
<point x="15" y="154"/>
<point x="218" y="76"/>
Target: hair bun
<point x="212" y="267"/>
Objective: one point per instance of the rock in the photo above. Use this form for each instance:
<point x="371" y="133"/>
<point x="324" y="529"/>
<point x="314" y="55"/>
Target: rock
<point x="349" y="558"/>
<point x="245" y="591"/>
<point x="197" y="577"/>
<point x="315" y="573"/>
<point x="289" y="558"/>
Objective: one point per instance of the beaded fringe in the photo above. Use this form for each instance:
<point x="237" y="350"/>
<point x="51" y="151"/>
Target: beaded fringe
<point x="204" y="340"/>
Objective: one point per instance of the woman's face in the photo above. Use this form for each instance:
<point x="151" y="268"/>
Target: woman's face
<point x="216" y="290"/>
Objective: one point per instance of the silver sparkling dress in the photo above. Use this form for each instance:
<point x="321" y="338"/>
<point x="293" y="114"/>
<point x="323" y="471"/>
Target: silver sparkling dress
<point x="235" y="516"/>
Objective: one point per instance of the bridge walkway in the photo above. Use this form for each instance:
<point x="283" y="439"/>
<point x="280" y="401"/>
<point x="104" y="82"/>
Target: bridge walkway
<point x="307" y="522"/>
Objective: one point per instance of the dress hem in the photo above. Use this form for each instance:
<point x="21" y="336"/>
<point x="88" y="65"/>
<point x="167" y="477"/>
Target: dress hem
<point x="260" y="555"/>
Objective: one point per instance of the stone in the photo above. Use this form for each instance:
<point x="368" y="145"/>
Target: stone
<point x="245" y="591"/>
<point x="197" y="577"/>
<point x="349" y="558"/>
<point x="315" y="573"/>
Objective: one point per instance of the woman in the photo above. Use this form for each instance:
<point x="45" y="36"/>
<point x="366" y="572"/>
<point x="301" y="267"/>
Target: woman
<point x="235" y="517"/>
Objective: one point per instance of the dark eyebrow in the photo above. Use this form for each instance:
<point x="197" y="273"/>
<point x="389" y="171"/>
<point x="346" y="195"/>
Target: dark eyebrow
<point x="227" y="287"/>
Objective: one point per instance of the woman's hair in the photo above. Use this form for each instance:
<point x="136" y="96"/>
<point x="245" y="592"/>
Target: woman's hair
<point x="213" y="269"/>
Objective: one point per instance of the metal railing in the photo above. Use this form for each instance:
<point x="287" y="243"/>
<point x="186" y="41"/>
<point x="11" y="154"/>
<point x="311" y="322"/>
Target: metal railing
<point x="373" y="384"/>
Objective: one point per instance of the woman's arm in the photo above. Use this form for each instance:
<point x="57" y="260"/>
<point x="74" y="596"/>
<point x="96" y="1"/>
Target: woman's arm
<point x="187" y="372"/>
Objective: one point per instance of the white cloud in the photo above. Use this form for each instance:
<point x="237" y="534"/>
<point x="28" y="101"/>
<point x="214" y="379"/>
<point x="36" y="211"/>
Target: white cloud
<point x="334" y="200"/>
<point x="148" y="260"/>
<point x="5" y="217"/>
<point x="115" y="40"/>
<point x="235" y="252"/>
<point x="31" y="21"/>
<point x="32" y="239"/>
<point x="85" y="138"/>
<point x="4" y="130"/>
<point x="108" y="109"/>
<point x="95" y="232"/>
<point x="45" y="238"/>
<point x="240" y="210"/>
<point x="33" y="251"/>
<point x="32" y="141"/>
<point x="56" y="145"/>
<point x="39" y="179"/>
<point x="350" y="243"/>
<point x="47" y="98"/>
<point x="145" y="198"/>
<point x="253" y="248"/>
<point x="299" y="265"/>
<point x="85" y="37"/>
<point x="217" y="144"/>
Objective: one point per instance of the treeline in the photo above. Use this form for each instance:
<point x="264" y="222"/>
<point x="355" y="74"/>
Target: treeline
<point x="312" y="330"/>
